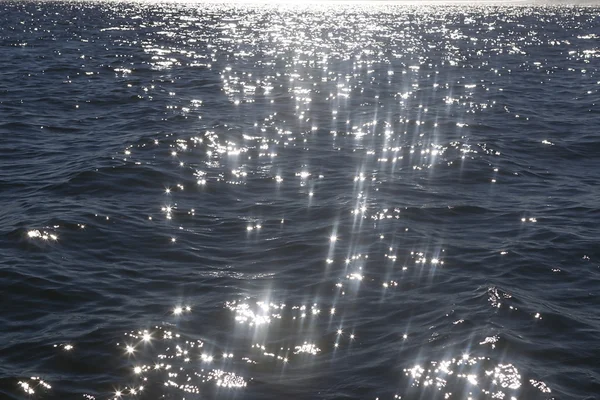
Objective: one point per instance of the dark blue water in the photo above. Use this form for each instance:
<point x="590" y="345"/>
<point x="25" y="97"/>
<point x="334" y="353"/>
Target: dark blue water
<point x="311" y="202"/>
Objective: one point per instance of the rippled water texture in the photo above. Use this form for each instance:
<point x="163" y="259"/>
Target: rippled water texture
<point x="348" y="201"/>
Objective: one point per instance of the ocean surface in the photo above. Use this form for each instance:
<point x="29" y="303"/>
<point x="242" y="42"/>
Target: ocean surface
<point x="341" y="201"/>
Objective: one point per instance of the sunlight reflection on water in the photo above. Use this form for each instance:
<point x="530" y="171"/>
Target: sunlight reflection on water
<point x="322" y="147"/>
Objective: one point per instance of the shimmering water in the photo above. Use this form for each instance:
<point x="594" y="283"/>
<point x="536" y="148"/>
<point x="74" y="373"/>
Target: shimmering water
<point x="344" y="201"/>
